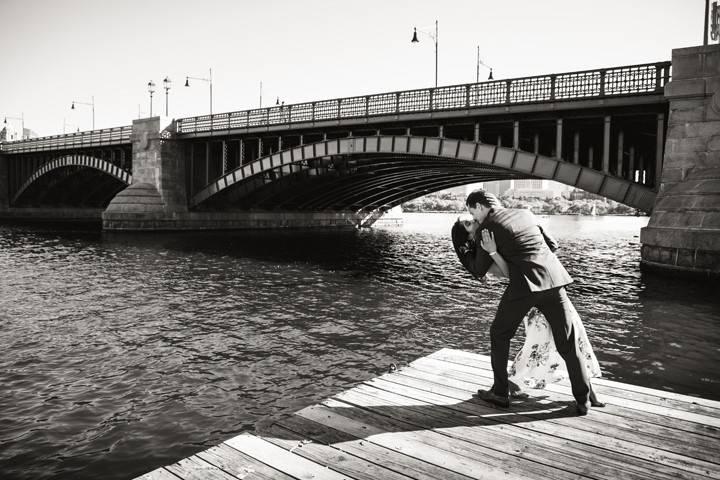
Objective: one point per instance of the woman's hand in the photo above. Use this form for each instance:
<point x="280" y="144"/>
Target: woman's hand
<point x="487" y="241"/>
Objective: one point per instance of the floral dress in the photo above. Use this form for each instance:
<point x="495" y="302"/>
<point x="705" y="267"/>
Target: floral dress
<point x="538" y="362"/>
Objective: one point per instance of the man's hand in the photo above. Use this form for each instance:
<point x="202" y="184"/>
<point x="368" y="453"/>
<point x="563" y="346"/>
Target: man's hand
<point x="487" y="241"/>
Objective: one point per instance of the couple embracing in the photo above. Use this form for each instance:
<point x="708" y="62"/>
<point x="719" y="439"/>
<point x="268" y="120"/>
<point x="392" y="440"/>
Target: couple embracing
<point x="510" y="243"/>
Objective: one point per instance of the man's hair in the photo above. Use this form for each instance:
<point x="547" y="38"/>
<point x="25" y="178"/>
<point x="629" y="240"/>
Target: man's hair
<point x="483" y="198"/>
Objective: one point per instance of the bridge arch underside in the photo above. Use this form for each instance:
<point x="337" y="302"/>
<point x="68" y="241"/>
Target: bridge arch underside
<point x="70" y="186"/>
<point x="371" y="174"/>
<point x="359" y="183"/>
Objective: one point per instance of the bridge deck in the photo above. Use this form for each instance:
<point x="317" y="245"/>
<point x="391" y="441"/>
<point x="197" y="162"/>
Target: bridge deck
<point x="422" y="422"/>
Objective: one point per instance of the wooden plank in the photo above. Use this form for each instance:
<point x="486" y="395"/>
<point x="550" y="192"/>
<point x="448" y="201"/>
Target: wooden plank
<point x="636" y="431"/>
<point x="539" y="424"/>
<point x="195" y="468"/>
<point x="483" y="378"/>
<point x="159" y="474"/>
<point x="240" y="465"/>
<point x="395" y="460"/>
<point x="439" y="450"/>
<point x="282" y="460"/>
<point x="339" y="460"/>
<point x="711" y="425"/>
<point x="677" y="399"/>
<point x="553" y="451"/>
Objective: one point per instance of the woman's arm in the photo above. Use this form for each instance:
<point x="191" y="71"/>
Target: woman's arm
<point x="488" y="244"/>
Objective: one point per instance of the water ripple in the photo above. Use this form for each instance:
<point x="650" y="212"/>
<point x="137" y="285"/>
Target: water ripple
<point x="123" y="353"/>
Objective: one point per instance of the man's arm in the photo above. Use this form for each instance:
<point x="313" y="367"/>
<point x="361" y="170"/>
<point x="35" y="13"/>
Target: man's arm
<point x="549" y="240"/>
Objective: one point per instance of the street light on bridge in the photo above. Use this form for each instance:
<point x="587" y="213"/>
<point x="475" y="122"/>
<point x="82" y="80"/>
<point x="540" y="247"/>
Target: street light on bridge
<point x="151" y="90"/>
<point x="435" y="38"/>
<point x="166" y="84"/>
<point x="22" y="124"/>
<point x="91" y="104"/>
<point x="480" y="62"/>
<point x="209" y="80"/>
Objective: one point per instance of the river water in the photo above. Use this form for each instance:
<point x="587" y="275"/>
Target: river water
<point x="122" y="353"/>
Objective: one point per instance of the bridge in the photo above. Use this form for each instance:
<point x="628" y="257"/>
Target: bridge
<point x="343" y="162"/>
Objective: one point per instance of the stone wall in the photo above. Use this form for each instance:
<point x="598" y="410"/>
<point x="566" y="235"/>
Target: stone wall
<point x="683" y="234"/>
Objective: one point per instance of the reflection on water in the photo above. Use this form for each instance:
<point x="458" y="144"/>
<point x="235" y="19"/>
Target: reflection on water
<point x="126" y="352"/>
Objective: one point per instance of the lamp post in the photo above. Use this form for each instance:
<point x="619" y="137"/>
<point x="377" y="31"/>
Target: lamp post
<point x="480" y="62"/>
<point x="22" y="124"/>
<point x="209" y="80"/>
<point x="435" y="38"/>
<point x="166" y="84"/>
<point x="151" y="90"/>
<point x="91" y="104"/>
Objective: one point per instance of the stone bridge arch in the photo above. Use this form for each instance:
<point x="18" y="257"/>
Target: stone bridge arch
<point x="428" y="163"/>
<point x="57" y="164"/>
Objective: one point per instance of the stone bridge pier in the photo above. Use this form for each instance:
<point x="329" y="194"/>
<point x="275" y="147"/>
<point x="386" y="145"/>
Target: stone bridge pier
<point x="683" y="234"/>
<point x="157" y="197"/>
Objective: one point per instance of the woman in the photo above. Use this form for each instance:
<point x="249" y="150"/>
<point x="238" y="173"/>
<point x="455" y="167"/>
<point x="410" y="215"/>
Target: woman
<point x="538" y="361"/>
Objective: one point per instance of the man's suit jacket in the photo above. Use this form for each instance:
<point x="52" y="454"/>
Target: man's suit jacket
<point x="526" y="248"/>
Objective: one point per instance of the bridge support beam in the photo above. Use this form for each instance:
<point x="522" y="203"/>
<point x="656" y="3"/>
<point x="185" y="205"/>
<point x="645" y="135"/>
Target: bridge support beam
<point x="683" y="234"/>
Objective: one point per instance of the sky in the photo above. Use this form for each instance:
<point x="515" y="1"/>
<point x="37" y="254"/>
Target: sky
<point x="56" y="52"/>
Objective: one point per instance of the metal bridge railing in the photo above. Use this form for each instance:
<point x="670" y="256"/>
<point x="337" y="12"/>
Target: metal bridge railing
<point x="92" y="138"/>
<point x="649" y="78"/>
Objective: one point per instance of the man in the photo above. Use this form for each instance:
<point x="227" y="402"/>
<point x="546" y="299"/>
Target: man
<point x="537" y="279"/>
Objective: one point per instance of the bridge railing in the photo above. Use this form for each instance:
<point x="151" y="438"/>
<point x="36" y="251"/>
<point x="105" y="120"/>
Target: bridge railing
<point x="649" y="78"/>
<point x="92" y="138"/>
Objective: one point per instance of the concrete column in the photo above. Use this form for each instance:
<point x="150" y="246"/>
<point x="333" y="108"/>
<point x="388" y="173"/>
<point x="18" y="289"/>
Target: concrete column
<point x="191" y="171"/>
<point x="558" y="137"/>
<point x="4" y="184"/>
<point x="683" y="234"/>
<point x="441" y="131"/>
<point x="620" y="154"/>
<point x="241" y="153"/>
<point x="631" y="164"/>
<point x="224" y="157"/>
<point x="260" y="148"/>
<point x="576" y="148"/>
<point x="280" y="144"/>
<point x="591" y="157"/>
<point x="407" y="131"/>
<point x="659" y="144"/>
<point x="641" y="169"/>
<point x="606" y="145"/>
<point x="476" y="132"/>
<point x="516" y="134"/>
<point x="207" y="163"/>
<point x="536" y="143"/>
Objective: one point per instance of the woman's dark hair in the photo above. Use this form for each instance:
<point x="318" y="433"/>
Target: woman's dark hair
<point x="464" y="246"/>
<point x="483" y="198"/>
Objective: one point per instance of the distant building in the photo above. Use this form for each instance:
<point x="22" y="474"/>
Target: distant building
<point x="531" y="188"/>
<point x="11" y="134"/>
<point x="578" y="194"/>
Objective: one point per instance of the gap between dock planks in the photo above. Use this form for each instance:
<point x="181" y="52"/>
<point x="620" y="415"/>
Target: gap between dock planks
<point x="422" y="422"/>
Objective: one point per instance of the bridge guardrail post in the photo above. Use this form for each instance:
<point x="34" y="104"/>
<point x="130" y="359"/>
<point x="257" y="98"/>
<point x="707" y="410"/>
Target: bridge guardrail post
<point x="553" y="77"/>
<point x="508" y="86"/>
<point x="367" y="105"/>
<point x="312" y="113"/>
<point x="467" y="96"/>
<point x="397" y="103"/>
<point x="602" y="82"/>
<point x="431" y="96"/>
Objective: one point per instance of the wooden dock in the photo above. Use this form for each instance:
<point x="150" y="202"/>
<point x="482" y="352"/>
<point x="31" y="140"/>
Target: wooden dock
<point x="422" y="422"/>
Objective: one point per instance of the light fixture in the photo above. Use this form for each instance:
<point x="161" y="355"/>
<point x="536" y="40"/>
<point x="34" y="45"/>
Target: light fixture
<point x="435" y="38"/>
